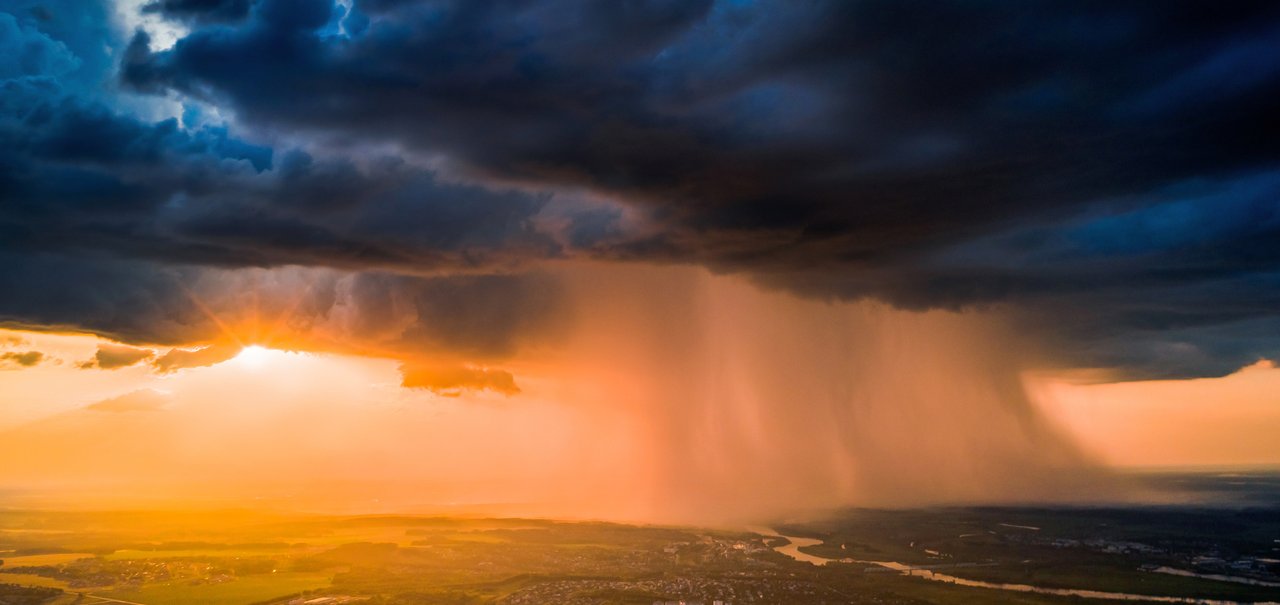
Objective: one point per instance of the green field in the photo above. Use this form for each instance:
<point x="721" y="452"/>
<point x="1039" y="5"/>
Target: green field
<point x="24" y="579"/>
<point x="50" y="559"/>
<point x="241" y="590"/>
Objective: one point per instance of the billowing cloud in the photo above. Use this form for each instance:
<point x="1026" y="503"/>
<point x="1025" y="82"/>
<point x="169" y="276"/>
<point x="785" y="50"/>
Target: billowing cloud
<point x="113" y="356"/>
<point x="200" y="10"/>
<point x="471" y="318"/>
<point x="21" y="359"/>
<point x="1102" y="172"/>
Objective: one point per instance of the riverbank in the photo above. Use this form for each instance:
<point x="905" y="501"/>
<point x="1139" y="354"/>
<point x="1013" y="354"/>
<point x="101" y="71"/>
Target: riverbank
<point x="795" y="543"/>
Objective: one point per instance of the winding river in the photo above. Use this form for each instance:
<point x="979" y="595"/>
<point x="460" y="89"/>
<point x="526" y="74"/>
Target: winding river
<point x="795" y="543"/>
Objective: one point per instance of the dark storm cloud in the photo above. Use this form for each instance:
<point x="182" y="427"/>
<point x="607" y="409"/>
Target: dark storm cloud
<point x="126" y="301"/>
<point x="1106" y="169"/>
<point x="448" y="319"/>
<point x="82" y="172"/>
<point x="887" y="125"/>
<point x="200" y="10"/>
<point x="484" y="316"/>
<point x="78" y="174"/>
<point x="71" y="40"/>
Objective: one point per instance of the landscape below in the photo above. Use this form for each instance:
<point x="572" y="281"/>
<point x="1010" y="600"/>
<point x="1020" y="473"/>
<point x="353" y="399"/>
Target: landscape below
<point x="1228" y="551"/>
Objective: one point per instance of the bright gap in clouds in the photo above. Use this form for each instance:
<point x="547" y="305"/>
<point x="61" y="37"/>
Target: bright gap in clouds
<point x="254" y="356"/>
<point x="131" y="17"/>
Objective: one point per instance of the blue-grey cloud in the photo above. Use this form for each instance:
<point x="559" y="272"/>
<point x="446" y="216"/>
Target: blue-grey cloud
<point x="200" y="10"/>
<point x="1106" y="170"/>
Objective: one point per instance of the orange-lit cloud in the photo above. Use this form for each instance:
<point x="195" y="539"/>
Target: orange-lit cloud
<point x="23" y="359"/>
<point x="177" y="359"/>
<point x="113" y="356"/>
<point x="12" y="340"/>
<point x="452" y="381"/>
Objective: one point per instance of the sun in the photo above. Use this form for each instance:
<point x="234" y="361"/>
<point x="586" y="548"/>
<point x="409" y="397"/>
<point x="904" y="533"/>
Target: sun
<point x="253" y="356"/>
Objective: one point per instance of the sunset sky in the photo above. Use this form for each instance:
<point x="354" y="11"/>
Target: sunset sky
<point x="656" y="259"/>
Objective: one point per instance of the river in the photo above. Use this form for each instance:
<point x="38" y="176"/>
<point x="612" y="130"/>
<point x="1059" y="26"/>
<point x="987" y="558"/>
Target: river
<point x="795" y="543"/>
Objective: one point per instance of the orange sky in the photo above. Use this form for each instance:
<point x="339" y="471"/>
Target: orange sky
<point x="677" y="395"/>
<point x="1232" y="420"/>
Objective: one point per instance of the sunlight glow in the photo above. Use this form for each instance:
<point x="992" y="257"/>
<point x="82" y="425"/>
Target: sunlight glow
<point x="253" y="356"/>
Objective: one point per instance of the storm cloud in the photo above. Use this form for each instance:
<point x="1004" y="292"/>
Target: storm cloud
<point x="1105" y="172"/>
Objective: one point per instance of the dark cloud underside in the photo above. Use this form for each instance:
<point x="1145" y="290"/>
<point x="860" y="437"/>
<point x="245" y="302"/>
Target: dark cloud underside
<point x="1107" y="170"/>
